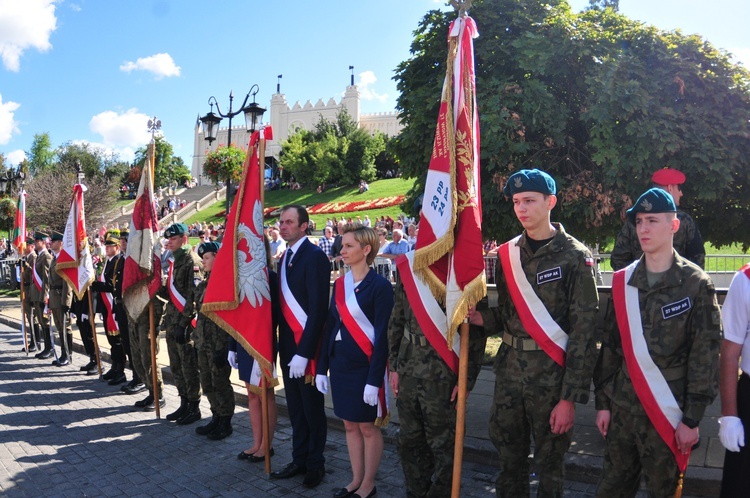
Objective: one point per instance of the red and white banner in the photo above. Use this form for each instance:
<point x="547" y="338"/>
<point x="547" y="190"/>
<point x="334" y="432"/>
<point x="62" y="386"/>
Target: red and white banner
<point x="650" y="386"/>
<point x="74" y="263"/>
<point x="19" y="224"/>
<point x="363" y="333"/>
<point x="449" y="254"/>
<point x="533" y="313"/>
<point x="111" y="325"/>
<point x="142" y="272"/>
<point x="428" y="312"/>
<point x="244" y="309"/>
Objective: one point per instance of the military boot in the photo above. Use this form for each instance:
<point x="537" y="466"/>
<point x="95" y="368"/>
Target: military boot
<point x="177" y="414"/>
<point x="119" y="375"/>
<point x="223" y="430"/>
<point x="47" y="351"/>
<point x="192" y="413"/>
<point x="209" y="427"/>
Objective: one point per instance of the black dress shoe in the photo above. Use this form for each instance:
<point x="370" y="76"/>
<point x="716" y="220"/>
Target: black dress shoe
<point x="31" y="349"/>
<point x="244" y="456"/>
<point x="148" y="400"/>
<point x="134" y="389"/>
<point x="150" y="407"/>
<point x="61" y="362"/>
<point x="344" y="493"/>
<point x="44" y="354"/>
<point x="290" y="470"/>
<point x="93" y="370"/>
<point x="119" y="378"/>
<point x="313" y="477"/>
<point x="255" y="458"/>
<point x="370" y="495"/>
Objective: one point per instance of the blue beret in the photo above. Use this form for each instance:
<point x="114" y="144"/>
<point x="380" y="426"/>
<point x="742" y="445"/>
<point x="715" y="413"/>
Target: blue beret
<point x="208" y="247"/>
<point x="176" y="229"/>
<point x="654" y="200"/>
<point x="530" y="180"/>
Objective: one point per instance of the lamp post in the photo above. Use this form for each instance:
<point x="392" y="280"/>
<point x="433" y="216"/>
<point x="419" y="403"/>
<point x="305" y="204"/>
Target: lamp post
<point x="11" y="178"/>
<point x="253" y="115"/>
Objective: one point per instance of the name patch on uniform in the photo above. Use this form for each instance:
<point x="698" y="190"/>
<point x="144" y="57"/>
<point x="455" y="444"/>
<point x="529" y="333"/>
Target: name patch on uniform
<point x="677" y="308"/>
<point x="549" y="275"/>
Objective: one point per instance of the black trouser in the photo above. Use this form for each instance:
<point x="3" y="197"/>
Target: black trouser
<point x="84" y="327"/>
<point x="736" y="479"/>
<point x="121" y="317"/>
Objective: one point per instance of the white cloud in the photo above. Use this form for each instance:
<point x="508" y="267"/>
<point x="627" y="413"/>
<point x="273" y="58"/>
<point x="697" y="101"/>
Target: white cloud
<point x="161" y="65"/>
<point x="8" y="124"/>
<point x="24" y="25"/>
<point x="742" y="55"/>
<point x="366" y="79"/>
<point x="14" y="157"/>
<point x="121" y="131"/>
<point x="122" y="153"/>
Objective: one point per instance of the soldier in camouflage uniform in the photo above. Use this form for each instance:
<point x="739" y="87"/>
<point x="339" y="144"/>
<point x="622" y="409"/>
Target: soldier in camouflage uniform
<point x="186" y="270"/>
<point x="60" y="299"/>
<point x="535" y="395"/>
<point x="140" y="348"/>
<point x="27" y="263"/>
<point x="687" y="241"/>
<point x="683" y="345"/>
<point x="40" y="294"/>
<point x="212" y="344"/>
<point x="425" y="388"/>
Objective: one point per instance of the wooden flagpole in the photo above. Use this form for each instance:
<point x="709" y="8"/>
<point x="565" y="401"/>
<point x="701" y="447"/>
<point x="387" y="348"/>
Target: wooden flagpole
<point x="463" y="371"/>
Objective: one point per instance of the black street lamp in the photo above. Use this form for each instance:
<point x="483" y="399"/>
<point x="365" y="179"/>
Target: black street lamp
<point x="10" y="177"/>
<point x="253" y="115"/>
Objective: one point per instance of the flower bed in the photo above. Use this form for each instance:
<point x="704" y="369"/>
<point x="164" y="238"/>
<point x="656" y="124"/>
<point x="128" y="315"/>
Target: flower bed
<point x="343" y="207"/>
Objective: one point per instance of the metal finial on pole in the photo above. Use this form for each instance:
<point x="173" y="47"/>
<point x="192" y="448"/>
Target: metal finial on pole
<point x="461" y="6"/>
<point x="154" y="125"/>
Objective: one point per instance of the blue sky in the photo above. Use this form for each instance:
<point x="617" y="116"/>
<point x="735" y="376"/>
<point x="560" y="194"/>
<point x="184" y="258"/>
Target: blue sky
<point x="96" y="70"/>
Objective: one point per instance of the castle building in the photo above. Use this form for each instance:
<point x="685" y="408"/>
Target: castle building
<point x="287" y="120"/>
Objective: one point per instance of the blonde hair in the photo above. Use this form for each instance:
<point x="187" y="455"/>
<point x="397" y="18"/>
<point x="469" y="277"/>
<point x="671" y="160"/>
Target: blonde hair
<point x="365" y="236"/>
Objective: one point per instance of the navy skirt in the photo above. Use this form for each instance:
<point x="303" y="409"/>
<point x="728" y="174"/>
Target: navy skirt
<point x="348" y="379"/>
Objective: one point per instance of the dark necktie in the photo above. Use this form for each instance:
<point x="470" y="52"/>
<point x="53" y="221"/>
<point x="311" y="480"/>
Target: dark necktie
<point x="289" y="254"/>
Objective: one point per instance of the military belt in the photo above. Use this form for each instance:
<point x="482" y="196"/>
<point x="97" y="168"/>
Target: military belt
<point x="520" y="343"/>
<point x="416" y="339"/>
<point x="669" y="374"/>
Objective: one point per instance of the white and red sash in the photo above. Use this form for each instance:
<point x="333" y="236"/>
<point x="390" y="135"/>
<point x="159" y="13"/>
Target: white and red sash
<point x="111" y="325"/>
<point x="427" y="311"/>
<point x="746" y="270"/>
<point x="362" y="331"/>
<point x="650" y="386"/>
<point x="294" y="315"/>
<point x="37" y="280"/>
<point x="178" y="300"/>
<point x="534" y="316"/>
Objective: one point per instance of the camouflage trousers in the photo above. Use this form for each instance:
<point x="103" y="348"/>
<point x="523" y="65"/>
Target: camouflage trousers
<point x="426" y="436"/>
<point x="183" y="362"/>
<point x="140" y="349"/>
<point x="634" y="448"/>
<point x="519" y="412"/>
<point x="216" y="384"/>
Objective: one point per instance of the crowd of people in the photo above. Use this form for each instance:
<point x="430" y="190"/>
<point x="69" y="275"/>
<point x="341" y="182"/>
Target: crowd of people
<point x="656" y="371"/>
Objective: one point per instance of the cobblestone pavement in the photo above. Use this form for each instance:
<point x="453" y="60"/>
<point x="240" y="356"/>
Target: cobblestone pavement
<point x="63" y="433"/>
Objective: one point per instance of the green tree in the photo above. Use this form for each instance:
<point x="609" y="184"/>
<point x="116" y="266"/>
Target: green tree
<point x="164" y="160"/>
<point x="41" y="156"/>
<point x="598" y="100"/>
<point x="90" y="158"/>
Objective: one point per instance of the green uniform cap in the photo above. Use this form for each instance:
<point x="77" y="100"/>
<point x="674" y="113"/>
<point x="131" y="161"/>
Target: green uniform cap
<point x="530" y="180"/>
<point x="56" y="236"/>
<point x="653" y="200"/>
<point x="40" y="236"/>
<point x="176" y="229"/>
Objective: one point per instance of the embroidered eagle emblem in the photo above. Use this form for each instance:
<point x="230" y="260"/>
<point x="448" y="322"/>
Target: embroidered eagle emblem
<point x="646" y="205"/>
<point x="519" y="182"/>
<point x="251" y="261"/>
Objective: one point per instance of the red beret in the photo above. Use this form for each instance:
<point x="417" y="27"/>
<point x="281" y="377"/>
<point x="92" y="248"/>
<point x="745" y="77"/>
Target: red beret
<point x="668" y="176"/>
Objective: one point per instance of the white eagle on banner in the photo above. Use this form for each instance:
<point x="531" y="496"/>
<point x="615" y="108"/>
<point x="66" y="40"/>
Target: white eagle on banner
<point x="251" y="261"/>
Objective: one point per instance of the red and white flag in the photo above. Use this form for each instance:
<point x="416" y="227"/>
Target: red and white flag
<point x="449" y="256"/>
<point x="74" y="263"/>
<point x="19" y="224"/>
<point x="142" y="273"/>
<point x="244" y="309"/>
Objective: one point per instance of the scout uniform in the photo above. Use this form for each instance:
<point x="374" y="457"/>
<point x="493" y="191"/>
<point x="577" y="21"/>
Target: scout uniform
<point x="212" y="344"/>
<point x="546" y="312"/>
<point x="185" y="271"/>
<point x="427" y="416"/>
<point x="40" y="294"/>
<point x="60" y="299"/>
<point x="687" y="241"/>
<point x="670" y="321"/>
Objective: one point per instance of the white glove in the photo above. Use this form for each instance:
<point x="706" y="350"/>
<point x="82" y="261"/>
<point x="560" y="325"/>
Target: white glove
<point x="371" y="395"/>
<point x="72" y="317"/>
<point x="84" y="316"/>
<point x="321" y="382"/>
<point x="731" y="433"/>
<point x="297" y="367"/>
<point x="232" y="359"/>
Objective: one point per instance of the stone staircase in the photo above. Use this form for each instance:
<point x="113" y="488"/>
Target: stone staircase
<point x="192" y="196"/>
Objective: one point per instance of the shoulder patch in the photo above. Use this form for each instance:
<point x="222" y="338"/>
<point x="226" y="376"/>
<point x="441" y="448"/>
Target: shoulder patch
<point x="549" y="275"/>
<point x="677" y="308"/>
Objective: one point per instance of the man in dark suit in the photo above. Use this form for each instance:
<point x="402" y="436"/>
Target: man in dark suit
<point x="304" y="276"/>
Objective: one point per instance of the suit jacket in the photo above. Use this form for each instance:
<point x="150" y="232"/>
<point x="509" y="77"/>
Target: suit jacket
<point x="43" y="262"/>
<point x="309" y="281"/>
<point x="60" y="293"/>
<point x="375" y="298"/>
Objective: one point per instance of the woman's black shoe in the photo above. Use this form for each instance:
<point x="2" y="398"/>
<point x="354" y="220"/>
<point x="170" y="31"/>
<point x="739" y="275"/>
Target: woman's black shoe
<point x="256" y="459"/>
<point x="344" y="493"/>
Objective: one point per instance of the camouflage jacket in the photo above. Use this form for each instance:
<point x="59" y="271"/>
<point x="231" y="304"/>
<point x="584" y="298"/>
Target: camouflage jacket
<point x="409" y="353"/>
<point x="60" y="293"/>
<point x="42" y="264"/>
<point x="687" y="242"/>
<point x="207" y="336"/>
<point x="572" y="302"/>
<point x="187" y="273"/>
<point x="685" y="347"/>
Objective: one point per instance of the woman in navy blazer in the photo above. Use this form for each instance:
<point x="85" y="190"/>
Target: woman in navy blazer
<point x="355" y="349"/>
